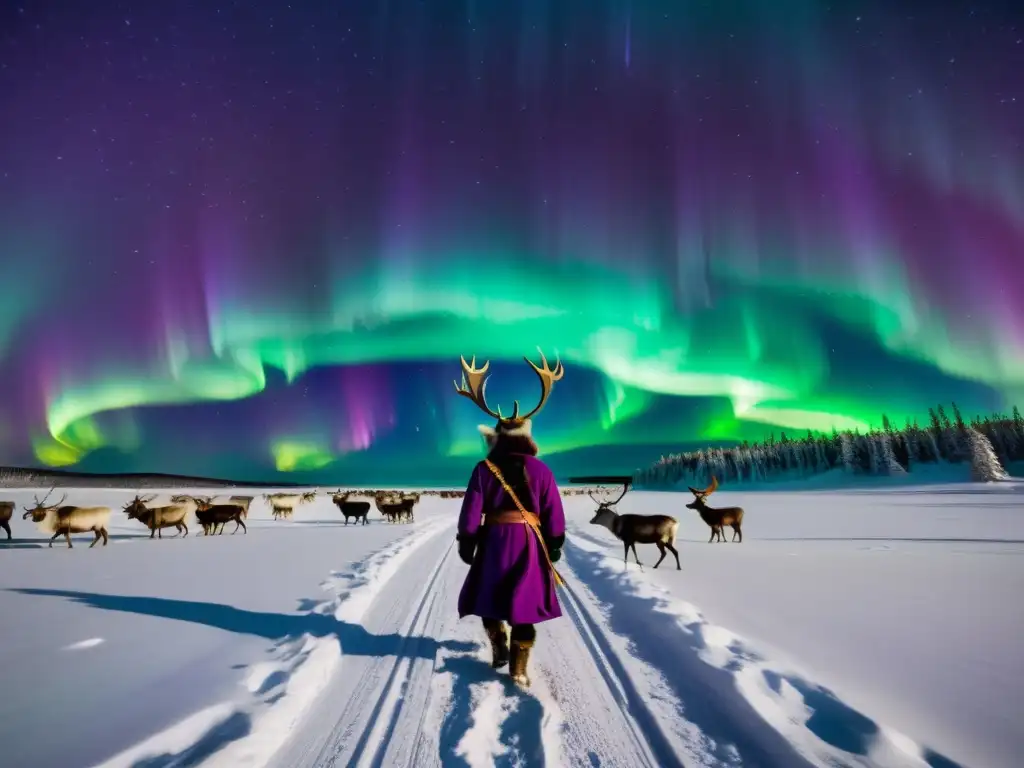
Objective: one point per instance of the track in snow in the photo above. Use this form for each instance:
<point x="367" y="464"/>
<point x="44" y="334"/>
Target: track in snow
<point x="621" y="680"/>
<point x="437" y="701"/>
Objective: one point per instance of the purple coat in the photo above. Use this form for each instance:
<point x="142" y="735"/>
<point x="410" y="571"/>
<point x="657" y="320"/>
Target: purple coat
<point x="498" y="585"/>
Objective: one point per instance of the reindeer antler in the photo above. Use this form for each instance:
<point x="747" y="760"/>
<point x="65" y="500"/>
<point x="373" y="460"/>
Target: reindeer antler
<point x="474" y="385"/>
<point x="547" y="377"/>
<point x="711" y="488"/>
<point x="625" y="489"/>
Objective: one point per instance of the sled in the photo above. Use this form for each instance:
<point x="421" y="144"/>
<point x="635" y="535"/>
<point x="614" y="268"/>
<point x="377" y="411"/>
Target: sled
<point x="626" y="480"/>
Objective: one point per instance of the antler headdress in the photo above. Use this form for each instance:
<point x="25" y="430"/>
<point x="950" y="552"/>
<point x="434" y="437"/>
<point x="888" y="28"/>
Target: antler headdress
<point x="474" y="385"/>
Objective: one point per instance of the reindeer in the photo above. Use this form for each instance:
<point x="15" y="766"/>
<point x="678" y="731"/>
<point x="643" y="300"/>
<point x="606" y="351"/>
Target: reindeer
<point x="398" y="507"/>
<point x="717" y="518"/>
<point x="356" y="509"/>
<point x="6" y="511"/>
<point x="184" y="498"/>
<point x="63" y="520"/>
<point x="211" y="515"/>
<point x="158" y="518"/>
<point x="388" y="506"/>
<point x="409" y="502"/>
<point x="243" y="502"/>
<point x="637" y="529"/>
<point x="283" y="504"/>
<point x="239" y="501"/>
<point x="199" y="501"/>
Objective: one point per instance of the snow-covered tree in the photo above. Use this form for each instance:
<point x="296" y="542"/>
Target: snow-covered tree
<point x="874" y="457"/>
<point x="887" y="464"/>
<point x="877" y="452"/>
<point x="912" y="438"/>
<point x="985" y="466"/>
<point x="1012" y="440"/>
<point x="846" y="453"/>
<point x="820" y="460"/>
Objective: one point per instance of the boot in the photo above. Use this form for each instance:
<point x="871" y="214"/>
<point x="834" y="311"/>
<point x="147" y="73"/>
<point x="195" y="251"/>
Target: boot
<point x="499" y="644"/>
<point x="520" y="657"/>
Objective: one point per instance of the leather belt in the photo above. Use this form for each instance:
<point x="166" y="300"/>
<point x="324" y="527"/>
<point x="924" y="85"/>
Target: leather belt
<point x="511" y="516"/>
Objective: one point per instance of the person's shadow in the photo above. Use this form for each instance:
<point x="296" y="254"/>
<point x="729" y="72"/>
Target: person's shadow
<point x="353" y="640"/>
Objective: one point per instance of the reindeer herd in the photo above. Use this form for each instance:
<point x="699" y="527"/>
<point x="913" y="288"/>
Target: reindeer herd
<point x="60" y="519"/>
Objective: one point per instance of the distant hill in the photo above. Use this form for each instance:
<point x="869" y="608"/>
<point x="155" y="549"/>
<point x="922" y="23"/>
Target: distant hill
<point x="18" y="477"/>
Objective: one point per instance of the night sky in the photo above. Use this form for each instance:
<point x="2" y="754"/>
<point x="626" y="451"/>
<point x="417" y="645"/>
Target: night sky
<point x="251" y="239"/>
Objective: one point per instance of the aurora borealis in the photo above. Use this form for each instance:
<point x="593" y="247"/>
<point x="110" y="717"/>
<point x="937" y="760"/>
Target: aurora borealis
<point x="251" y="240"/>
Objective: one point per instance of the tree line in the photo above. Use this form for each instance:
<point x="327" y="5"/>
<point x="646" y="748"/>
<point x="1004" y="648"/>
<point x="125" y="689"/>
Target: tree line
<point x="986" y="445"/>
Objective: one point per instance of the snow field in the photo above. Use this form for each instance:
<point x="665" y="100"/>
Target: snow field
<point x="180" y="624"/>
<point x="848" y="629"/>
<point x="899" y="601"/>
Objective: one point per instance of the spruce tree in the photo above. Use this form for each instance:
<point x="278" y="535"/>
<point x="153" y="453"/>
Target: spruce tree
<point x="958" y="418"/>
<point x="943" y="418"/>
<point x="846" y="453"/>
<point x="985" y="466"/>
<point x="886" y="457"/>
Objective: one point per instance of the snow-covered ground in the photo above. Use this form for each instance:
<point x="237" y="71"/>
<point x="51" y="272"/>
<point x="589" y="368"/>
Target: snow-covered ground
<point x="873" y="627"/>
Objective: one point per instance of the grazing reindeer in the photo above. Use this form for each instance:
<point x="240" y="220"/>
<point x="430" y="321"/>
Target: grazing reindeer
<point x="637" y="529"/>
<point x="284" y="504"/>
<point x="6" y="511"/>
<point x="63" y="520"/>
<point x="211" y="515"/>
<point x="158" y="518"/>
<point x="717" y="518"/>
<point x="356" y="509"/>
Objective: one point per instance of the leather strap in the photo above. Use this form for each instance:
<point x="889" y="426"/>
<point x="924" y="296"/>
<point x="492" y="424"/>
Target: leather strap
<point x="513" y="516"/>
<point x="528" y="518"/>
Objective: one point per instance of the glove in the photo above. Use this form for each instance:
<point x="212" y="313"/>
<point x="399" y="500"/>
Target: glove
<point x="554" y="545"/>
<point x="467" y="550"/>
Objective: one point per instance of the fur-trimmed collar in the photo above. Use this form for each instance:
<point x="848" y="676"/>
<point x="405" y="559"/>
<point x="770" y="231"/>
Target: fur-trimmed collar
<point x="502" y="441"/>
<point x="518" y="428"/>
